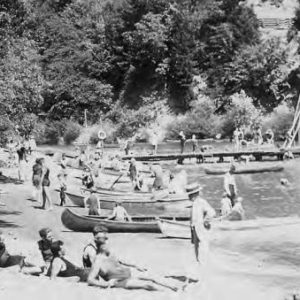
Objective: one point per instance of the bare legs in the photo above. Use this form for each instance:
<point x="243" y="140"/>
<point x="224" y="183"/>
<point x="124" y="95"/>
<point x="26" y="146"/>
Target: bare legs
<point x="46" y="198"/>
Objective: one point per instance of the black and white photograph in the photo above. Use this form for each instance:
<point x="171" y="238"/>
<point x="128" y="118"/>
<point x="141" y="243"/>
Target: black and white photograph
<point x="150" y="149"/>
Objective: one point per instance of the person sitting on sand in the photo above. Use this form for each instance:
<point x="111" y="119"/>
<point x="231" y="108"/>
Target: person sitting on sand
<point x="230" y="185"/>
<point x="91" y="249"/>
<point x="92" y="203"/>
<point x="7" y="260"/>
<point x="107" y="271"/>
<point x="238" y="212"/>
<point x="119" y="213"/>
<point x="226" y="206"/>
<point x="45" y="244"/>
<point x="61" y="267"/>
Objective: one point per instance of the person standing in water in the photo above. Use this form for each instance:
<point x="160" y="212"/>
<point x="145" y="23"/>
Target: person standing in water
<point x="182" y="139"/>
<point x="230" y="185"/>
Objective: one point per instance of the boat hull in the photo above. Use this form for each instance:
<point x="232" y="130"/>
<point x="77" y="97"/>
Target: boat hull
<point x="80" y="223"/>
<point x="145" y="207"/>
<point x="244" y="170"/>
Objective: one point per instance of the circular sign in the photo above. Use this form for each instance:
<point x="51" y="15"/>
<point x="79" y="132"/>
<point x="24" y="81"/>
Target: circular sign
<point x="101" y="134"/>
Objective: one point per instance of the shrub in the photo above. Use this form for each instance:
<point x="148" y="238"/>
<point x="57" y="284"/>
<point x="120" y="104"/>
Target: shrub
<point x="71" y="132"/>
<point x="280" y="120"/>
<point x="241" y="112"/>
<point x="200" y="120"/>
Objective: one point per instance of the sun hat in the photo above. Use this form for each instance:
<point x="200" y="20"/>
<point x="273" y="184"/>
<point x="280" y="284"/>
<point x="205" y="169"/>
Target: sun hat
<point x="193" y="188"/>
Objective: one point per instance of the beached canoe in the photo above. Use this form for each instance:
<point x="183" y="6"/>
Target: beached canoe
<point x="244" y="170"/>
<point x="173" y="229"/>
<point x="80" y="223"/>
<point x="146" y="207"/>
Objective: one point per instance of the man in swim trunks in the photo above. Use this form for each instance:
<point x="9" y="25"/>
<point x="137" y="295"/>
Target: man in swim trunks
<point x="45" y="245"/>
<point x="107" y="271"/>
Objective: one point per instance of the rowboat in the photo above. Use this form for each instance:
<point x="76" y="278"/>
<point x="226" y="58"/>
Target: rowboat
<point x="140" y="206"/>
<point x="80" y="223"/>
<point x="173" y="229"/>
<point x="244" y="170"/>
<point x="170" y="228"/>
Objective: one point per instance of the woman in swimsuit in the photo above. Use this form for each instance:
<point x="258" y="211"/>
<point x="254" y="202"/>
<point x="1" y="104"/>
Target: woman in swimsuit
<point x="61" y="267"/>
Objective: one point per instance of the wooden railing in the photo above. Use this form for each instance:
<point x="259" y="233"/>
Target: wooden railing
<point x="275" y="23"/>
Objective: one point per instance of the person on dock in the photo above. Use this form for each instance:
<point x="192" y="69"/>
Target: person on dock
<point x="257" y="136"/>
<point x="107" y="271"/>
<point x="201" y="214"/>
<point x="61" y="267"/>
<point x="194" y="143"/>
<point x="269" y="136"/>
<point x="119" y="213"/>
<point x="182" y="139"/>
<point x="230" y="184"/>
<point x="238" y="136"/>
<point x="62" y="188"/>
<point x="127" y="146"/>
<point x="92" y="203"/>
<point x="158" y="175"/>
<point x="238" y="212"/>
<point x="226" y="206"/>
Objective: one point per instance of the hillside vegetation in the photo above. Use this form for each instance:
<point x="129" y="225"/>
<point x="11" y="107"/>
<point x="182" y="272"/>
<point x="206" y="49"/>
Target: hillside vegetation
<point x="132" y="62"/>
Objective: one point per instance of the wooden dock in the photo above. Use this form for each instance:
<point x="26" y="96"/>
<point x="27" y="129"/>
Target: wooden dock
<point x="202" y="156"/>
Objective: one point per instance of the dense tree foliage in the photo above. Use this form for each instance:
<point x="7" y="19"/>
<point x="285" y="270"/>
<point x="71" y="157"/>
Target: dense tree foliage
<point x="64" y="56"/>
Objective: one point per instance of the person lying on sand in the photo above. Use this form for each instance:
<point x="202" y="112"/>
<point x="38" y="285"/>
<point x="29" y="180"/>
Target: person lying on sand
<point x="7" y="260"/>
<point x="61" y="267"/>
<point x="107" y="271"/>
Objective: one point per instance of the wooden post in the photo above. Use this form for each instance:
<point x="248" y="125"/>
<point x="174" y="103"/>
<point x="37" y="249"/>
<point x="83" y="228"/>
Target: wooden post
<point x="85" y="118"/>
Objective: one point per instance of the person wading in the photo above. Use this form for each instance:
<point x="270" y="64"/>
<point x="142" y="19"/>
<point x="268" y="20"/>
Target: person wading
<point x="230" y="185"/>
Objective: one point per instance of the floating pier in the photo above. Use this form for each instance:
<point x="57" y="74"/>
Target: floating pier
<point x="202" y="156"/>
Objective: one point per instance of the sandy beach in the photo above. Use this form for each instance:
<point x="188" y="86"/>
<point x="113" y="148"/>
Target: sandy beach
<point x="252" y="264"/>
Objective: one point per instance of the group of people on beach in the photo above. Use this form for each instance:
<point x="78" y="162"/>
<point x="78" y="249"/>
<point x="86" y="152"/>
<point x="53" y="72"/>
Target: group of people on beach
<point x="100" y="267"/>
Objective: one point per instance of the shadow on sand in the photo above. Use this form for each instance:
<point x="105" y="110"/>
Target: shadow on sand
<point x="4" y="224"/>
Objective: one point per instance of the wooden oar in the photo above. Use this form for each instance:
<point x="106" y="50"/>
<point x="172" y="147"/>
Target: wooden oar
<point x="115" y="181"/>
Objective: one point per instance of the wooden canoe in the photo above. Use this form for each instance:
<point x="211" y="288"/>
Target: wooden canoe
<point x="80" y="223"/>
<point x="173" y="229"/>
<point x="244" y="170"/>
<point x="145" y="207"/>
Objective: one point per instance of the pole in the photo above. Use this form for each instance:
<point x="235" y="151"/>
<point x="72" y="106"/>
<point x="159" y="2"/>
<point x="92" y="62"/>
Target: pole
<point x="85" y="118"/>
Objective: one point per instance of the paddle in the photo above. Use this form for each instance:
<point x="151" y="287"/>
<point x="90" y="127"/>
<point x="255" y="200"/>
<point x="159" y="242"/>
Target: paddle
<point x="110" y="188"/>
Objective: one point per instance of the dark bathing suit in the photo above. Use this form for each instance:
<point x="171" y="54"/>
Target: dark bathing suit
<point x="71" y="270"/>
<point x="86" y="260"/>
<point x="44" y="247"/>
<point x="7" y="260"/>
